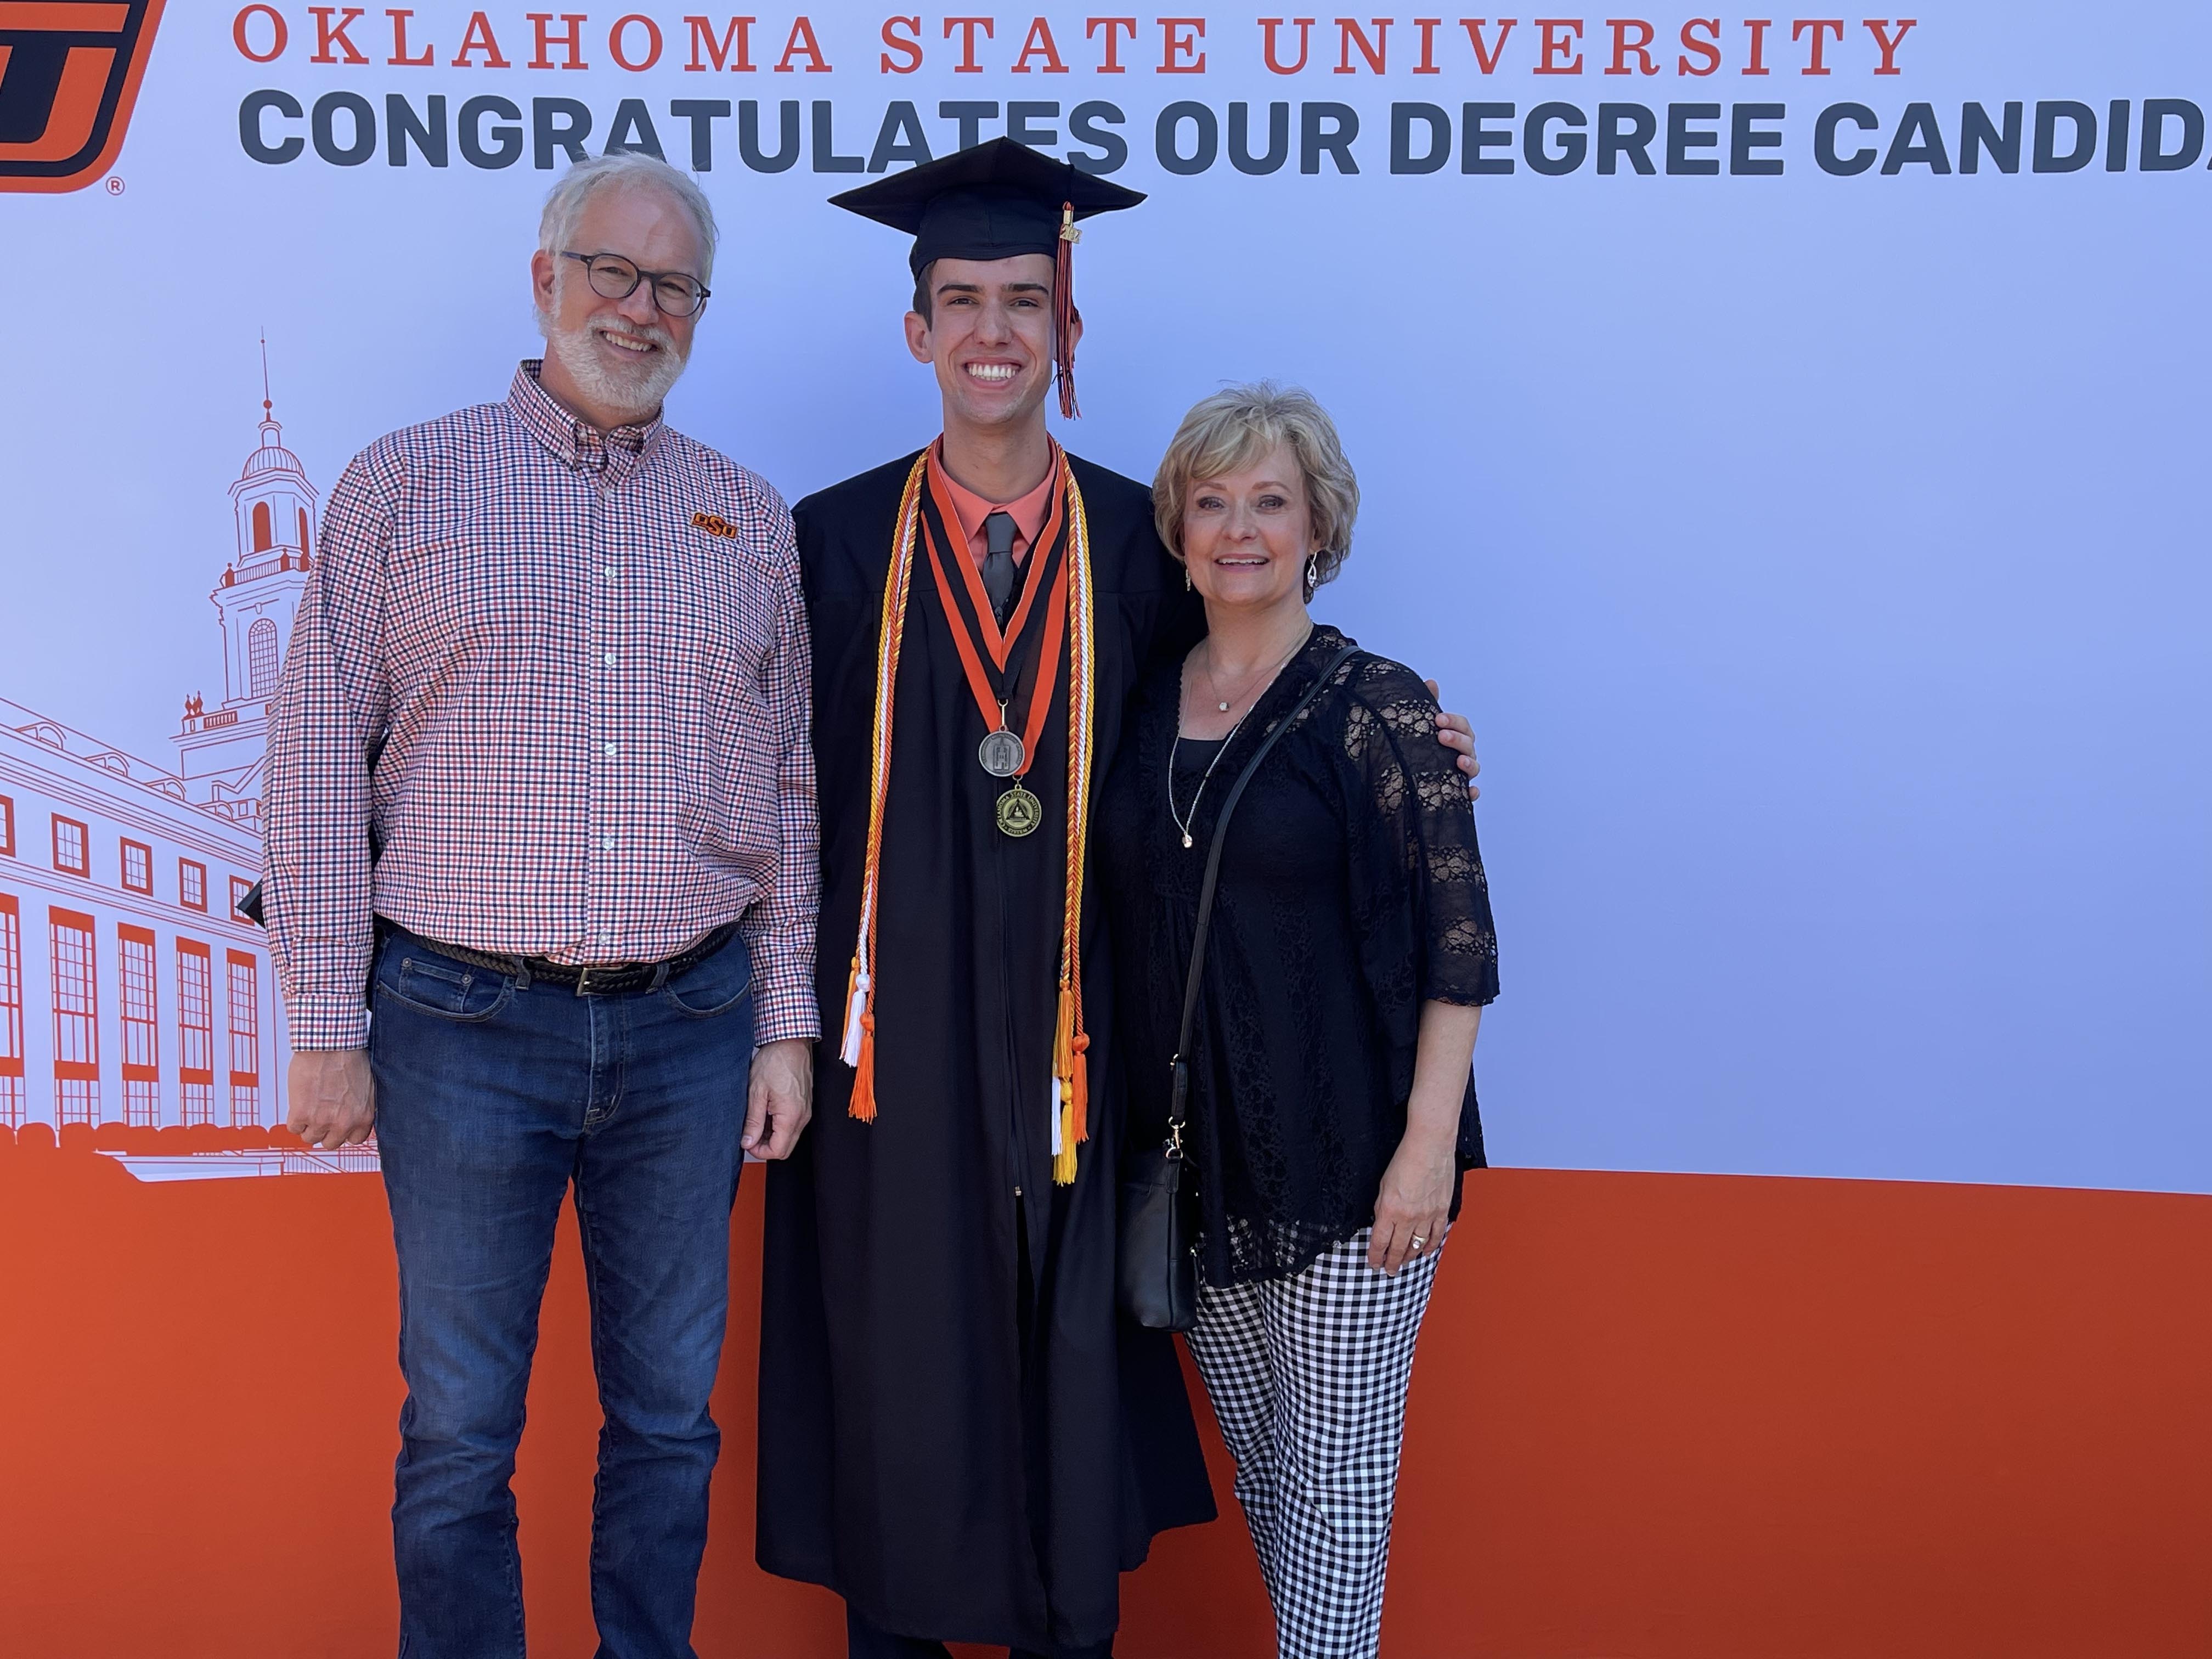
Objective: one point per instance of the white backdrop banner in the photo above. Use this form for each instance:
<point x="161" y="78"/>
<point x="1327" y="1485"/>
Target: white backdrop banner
<point x="1785" y="436"/>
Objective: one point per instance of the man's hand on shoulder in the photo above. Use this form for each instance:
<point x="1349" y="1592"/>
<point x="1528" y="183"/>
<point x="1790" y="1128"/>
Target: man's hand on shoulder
<point x="1456" y="735"/>
<point x="333" y="1098"/>
<point x="779" y="1099"/>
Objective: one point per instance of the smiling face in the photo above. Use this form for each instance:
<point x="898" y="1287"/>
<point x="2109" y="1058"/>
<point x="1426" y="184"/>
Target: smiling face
<point x="989" y="338"/>
<point x="613" y="360"/>
<point x="1246" y="536"/>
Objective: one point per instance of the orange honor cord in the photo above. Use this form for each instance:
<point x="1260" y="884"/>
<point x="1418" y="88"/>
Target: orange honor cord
<point x="1071" y="618"/>
<point x="1070" y="1065"/>
<point x="858" y="1050"/>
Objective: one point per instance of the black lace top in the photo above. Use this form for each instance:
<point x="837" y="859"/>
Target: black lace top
<point x="1351" y="892"/>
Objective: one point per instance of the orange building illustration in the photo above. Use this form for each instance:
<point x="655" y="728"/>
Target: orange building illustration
<point x="133" y="996"/>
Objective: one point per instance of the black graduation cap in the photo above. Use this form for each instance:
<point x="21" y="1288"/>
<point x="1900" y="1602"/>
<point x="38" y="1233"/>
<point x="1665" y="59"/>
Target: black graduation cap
<point x="996" y="201"/>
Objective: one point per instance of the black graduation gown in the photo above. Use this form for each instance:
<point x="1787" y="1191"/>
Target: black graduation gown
<point x="958" y="1433"/>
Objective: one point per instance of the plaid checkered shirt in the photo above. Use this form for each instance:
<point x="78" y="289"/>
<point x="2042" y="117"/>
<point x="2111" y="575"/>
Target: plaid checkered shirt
<point x="585" y="657"/>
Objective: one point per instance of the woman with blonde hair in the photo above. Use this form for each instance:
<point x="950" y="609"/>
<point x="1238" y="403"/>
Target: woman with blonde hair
<point x="1317" y="995"/>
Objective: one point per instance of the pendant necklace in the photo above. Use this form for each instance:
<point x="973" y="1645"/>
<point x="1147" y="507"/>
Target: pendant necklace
<point x="1182" y="821"/>
<point x="1214" y="685"/>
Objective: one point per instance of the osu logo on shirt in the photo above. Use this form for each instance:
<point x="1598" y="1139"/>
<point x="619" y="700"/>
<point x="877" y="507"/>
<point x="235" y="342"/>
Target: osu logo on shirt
<point x="69" y="72"/>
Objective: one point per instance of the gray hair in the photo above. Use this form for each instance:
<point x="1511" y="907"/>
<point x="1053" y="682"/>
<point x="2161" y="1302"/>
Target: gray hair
<point x="1231" y="430"/>
<point x="564" y="204"/>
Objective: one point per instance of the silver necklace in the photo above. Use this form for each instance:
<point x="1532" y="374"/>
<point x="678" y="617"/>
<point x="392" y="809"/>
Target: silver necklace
<point x="1213" y="685"/>
<point x="1182" y="821"/>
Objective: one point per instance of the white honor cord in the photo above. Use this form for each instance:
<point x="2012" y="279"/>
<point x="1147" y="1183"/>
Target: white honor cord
<point x="849" y="1051"/>
<point x="1055" y="1116"/>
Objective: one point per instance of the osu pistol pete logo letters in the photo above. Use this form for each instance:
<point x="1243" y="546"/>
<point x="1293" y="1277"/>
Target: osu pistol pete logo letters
<point x="68" y="74"/>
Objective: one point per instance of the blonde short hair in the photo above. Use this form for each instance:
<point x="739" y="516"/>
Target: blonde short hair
<point x="1230" y="431"/>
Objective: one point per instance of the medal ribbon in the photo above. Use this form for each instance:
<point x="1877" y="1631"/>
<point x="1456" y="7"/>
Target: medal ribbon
<point x="1048" y="575"/>
<point x="1069" y="615"/>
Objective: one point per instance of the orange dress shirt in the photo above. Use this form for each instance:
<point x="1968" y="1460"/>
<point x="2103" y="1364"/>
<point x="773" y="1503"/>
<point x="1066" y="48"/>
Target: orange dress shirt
<point x="1027" y="512"/>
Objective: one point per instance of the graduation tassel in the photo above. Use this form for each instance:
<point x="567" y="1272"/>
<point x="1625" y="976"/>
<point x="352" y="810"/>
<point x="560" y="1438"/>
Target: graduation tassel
<point x="1063" y="310"/>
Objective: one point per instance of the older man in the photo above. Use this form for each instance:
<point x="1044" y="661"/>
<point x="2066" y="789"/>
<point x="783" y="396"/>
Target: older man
<point x="541" y="886"/>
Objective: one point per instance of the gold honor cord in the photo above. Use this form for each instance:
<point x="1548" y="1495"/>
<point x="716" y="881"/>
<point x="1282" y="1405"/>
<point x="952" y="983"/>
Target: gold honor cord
<point x="1071" y="1066"/>
<point x="858" y="1050"/>
<point x="1071" y="1083"/>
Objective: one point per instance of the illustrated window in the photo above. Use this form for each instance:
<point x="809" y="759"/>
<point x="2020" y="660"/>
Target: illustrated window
<point x="261" y="659"/>
<point x="142" y="1033"/>
<point x="239" y="887"/>
<point x="72" y="844"/>
<point x="11" y="1012"/>
<point x="76" y="1016"/>
<point x="7" y="827"/>
<point x="137" y="866"/>
<point x="195" y="1032"/>
<point x="245" y="1039"/>
<point x="191" y="884"/>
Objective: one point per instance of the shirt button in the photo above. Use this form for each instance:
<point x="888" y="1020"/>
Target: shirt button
<point x="610" y="659"/>
<point x="608" y="845"/>
<point x="611" y="748"/>
<point x="608" y="571"/>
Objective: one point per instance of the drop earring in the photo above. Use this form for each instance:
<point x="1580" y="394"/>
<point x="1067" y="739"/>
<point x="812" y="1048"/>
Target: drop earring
<point x="1186" y="576"/>
<point x="1313" y="575"/>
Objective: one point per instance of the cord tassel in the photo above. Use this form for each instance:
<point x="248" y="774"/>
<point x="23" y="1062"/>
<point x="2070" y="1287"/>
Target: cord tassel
<point x="858" y="1049"/>
<point x="1071" y="1094"/>
<point x="863" y="1105"/>
<point x="856" y="1005"/>
<point x="1071" y="1066"/>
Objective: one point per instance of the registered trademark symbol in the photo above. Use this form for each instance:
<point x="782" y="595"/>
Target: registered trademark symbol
<point x="114" y="184"/>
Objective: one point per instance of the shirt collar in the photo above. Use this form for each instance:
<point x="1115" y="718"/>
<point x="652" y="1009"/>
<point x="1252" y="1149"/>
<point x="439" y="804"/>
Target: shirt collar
<point x="612" y="455"/>
<point x="1027" y="512"/>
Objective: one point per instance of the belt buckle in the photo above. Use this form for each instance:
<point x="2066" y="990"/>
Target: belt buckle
<point x="584" y="980"/>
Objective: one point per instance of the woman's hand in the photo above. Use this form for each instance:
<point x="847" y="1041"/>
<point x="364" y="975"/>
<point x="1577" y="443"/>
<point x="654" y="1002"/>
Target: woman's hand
<point x="1456" y="735"/>
<point x="1414" y="1205"/>
<point x="1415" y="1201"/>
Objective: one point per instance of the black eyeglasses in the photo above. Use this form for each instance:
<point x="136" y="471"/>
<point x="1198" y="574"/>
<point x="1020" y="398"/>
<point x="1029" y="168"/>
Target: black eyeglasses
<point x="614" y="277"/>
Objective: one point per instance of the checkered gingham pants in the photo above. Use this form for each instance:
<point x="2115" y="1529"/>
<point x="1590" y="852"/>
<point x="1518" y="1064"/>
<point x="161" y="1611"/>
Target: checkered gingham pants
<point x="1308" y="1378"/>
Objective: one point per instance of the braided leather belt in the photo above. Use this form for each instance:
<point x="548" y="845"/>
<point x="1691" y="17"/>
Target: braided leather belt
<point x="590" y="979"/>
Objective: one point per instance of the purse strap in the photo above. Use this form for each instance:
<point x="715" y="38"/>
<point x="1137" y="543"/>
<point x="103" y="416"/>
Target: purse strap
<point x="1178" y="1095"/>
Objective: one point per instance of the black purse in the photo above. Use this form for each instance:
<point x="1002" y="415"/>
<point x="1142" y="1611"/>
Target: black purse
<point x="1159" y="1286"/>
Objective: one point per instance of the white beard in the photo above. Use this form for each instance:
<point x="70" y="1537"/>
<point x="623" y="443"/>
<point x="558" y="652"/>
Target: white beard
<point x="636" y="389"/>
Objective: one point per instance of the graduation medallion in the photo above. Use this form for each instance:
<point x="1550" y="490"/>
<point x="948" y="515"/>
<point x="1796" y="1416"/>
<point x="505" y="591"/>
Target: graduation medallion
<point x="1019" y="812"/>
<point x="1001" y="753"/>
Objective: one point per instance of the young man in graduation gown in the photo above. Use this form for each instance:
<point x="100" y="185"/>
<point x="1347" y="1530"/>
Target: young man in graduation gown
<point x="958" y="1434"/>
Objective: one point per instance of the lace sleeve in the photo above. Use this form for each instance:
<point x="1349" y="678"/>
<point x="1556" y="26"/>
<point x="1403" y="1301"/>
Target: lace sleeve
<point x="1425" y="823"/>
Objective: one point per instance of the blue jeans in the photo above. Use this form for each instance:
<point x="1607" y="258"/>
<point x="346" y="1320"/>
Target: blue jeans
<point x="493" y="1096"/>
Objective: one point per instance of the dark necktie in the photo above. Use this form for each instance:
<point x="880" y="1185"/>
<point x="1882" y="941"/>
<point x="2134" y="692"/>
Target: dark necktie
<point x="998" y="562"/>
